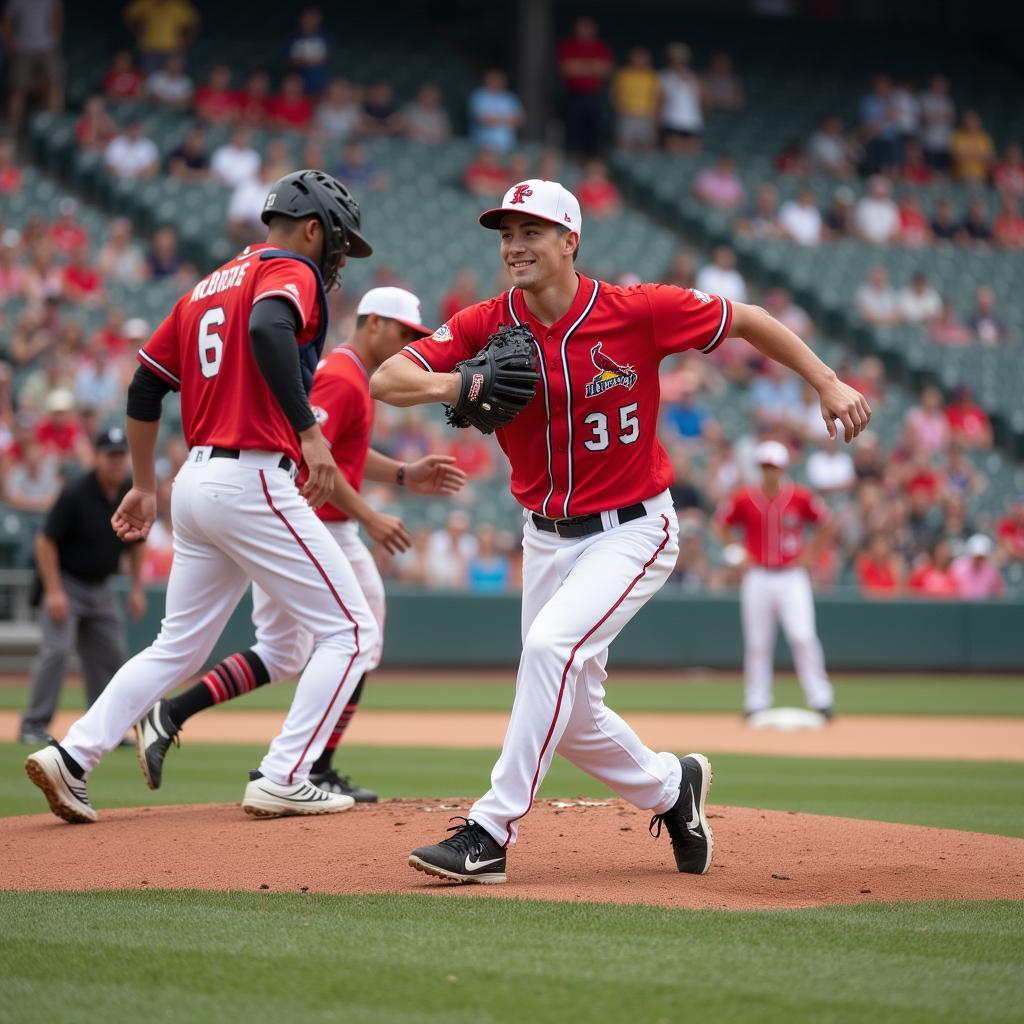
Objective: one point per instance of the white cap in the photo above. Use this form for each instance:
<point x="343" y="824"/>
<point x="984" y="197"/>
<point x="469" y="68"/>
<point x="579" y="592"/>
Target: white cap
<point x="772" y="453"/>
<point x="395" y="304"/>
<point x="60" y="400"/>
<point x="545" y="200"/>
<point x="978" y="546"/>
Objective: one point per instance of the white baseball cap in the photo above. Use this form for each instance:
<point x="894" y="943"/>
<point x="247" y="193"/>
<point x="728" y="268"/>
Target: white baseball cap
<point x="395" y="304"/>
<point x="978" y="546"/>
<point x="772" y="453"/>
<point x="545" y="200"/>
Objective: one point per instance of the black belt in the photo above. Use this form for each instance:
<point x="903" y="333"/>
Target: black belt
<point x="216" y="452"/>
<point x="583" y="526"/>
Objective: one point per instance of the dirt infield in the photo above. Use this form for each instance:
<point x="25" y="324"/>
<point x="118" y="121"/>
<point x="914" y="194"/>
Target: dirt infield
<point x="893" y="736"/>
<point x="593" y="851"/>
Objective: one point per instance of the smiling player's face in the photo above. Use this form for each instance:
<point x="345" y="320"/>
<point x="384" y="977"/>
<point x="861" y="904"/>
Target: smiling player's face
<point x="534" y="251"/>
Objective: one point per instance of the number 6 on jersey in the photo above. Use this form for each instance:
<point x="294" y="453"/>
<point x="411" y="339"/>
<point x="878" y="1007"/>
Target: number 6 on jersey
<point x="211" y="344"/>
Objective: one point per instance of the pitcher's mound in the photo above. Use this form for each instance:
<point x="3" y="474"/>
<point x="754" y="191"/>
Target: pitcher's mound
<point x="569" y="850"/>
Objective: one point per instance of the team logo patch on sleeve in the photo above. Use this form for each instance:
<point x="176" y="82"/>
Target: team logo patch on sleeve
<point x="610" y="374"/>
<point x="443" y="333"/>
<point x="699" y="295"/>
<point x="320" y="415"/>
<point x="292" y="289"/>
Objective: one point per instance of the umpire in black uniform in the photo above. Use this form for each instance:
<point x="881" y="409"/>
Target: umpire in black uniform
<point x="77" y="552"/>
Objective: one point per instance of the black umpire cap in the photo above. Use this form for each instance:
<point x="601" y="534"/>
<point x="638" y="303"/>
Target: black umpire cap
<point x="113" y="439"/>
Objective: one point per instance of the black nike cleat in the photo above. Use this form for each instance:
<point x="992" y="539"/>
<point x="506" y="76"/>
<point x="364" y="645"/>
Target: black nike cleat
<point x="154" y="734"/>
<point x="688" y="828"/>
<point x="331" y="782"/>
<point x="470" y="855"/>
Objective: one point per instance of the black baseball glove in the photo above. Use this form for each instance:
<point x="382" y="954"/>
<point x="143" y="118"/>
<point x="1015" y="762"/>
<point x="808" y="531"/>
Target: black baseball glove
<point x="498" y="382"/>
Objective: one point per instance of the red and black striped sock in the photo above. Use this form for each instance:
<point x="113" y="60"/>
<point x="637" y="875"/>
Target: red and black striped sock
<point x="230" y="678"/>
<point x="323" y="762"/>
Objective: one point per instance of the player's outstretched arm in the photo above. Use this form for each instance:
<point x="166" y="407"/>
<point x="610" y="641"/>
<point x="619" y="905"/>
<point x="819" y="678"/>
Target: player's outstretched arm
<point x="838" y="400"/>
<point x="387" y="530"/>
<point x="401" y="382"/>
<point x="433" y="474"/>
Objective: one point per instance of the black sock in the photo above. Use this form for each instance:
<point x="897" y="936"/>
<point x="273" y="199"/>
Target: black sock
<point x="202" y="695"/>
<point x="69" y="762"/>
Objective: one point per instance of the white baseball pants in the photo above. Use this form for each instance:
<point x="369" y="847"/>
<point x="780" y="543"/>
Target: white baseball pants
<point x="578" y="594"/>
<point x="766" y="598"/>
<point x="236" y="521"/>
<point x="283" y="643"/>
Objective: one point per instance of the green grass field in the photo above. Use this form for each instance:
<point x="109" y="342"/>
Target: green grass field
<point x="163" y="956"/>
<point x="882" y="695"/>
<point x="407" y="959"/>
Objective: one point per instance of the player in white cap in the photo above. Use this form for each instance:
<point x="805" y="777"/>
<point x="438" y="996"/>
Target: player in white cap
<point x="776" y="586"/>
<point x="387" y="319"/>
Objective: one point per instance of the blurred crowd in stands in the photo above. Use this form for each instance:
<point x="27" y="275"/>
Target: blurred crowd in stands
<point x="902" y="520"/>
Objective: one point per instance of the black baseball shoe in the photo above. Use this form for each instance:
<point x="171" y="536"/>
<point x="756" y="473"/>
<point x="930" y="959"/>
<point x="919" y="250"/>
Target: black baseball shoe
<point x="331" y="782"/>
<point x="828" y="713"/>
<point x="470" y="855"/>
<point x="688" y="828"/>
<point x="154" y="734"/>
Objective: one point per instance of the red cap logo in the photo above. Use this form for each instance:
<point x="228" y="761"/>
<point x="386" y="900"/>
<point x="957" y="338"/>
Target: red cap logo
<point x="520" y="194"/>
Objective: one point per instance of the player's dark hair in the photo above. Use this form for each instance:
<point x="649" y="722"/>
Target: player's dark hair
<point x="361" y="321"/>
<point x="576" y="251"/>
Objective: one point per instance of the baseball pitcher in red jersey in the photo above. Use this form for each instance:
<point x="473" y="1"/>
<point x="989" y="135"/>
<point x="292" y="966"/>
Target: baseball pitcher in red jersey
<point x="386" y="320"/>
<point x="599" y="536"/>
<point x="241" y="347"/>
<point x="776" y="586"/>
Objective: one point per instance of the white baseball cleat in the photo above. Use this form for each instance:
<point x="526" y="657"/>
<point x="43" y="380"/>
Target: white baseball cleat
<point x="65" y="794"/>
<point x="266" y="799"/>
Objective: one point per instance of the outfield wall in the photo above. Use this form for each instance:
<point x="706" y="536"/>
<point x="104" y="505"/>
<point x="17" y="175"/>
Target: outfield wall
<point x="436" y="630"/>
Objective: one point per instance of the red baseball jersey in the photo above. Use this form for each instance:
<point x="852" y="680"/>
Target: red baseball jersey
<point x="203" y="350"/>
<point x="344" y="409"/>
<point x="773" y="527"/>
<point x="589" y="441"/>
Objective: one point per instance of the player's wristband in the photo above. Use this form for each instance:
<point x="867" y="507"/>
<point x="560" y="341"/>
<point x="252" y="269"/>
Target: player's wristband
<point x="400" y="475"/>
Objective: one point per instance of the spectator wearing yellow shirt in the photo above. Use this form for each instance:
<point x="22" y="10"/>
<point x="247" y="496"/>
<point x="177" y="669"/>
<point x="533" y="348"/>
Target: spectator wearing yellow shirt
<point x="973" y="151"/>
<point x="635" y="92"/>
<point x="161" y="28"/>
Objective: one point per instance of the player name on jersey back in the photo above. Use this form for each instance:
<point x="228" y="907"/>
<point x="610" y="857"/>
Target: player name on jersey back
<point x="220" y="281"/>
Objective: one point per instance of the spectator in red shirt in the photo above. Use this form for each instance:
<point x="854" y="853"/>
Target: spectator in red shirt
<point x="82" y="282"/>
<point x="880" y="570"/>
<point x="95" y="128"/>
<point x="463" y="293"/>
<point x="968" y="421"/>
<point x="922" y="477"/>
<point x="59" y="431"/>
<point x="485" y="176"/>
<point x="253" y="102"/>
<point x="598" y="195"/>
<point x="1010" y="531"/>
<point x="10" y="173"/>
<point x="215" y="102"/>
<point x="472" y="453"/>
<point x="914" y="170"/>
<point x="1008" y="174"/>
<point x="1008" y="228"/>
<point x="914" y="228"/>
<point x="124" y="80"/>
<point x="291" y="108"/>
<point x="66" y="233"/>
<point x="932" y="578"/>
<point x="585" y="64"/>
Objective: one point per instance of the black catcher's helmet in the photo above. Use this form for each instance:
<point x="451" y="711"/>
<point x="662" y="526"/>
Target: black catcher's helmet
<point x="311" y="193"/>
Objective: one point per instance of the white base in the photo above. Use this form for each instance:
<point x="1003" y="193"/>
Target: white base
<point x="787" y="719"/>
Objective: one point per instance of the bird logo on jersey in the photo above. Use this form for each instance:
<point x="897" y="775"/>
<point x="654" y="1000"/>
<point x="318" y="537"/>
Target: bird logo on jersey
<point x="610" y="374"/>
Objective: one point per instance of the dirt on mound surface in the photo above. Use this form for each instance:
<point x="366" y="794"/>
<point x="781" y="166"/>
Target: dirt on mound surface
<point x="569" y="850"/>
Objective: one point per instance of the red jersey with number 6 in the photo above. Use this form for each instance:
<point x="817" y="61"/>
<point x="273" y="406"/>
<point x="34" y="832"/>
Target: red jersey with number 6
<point x="589" y="441"/>
<point x="203" y="350"/>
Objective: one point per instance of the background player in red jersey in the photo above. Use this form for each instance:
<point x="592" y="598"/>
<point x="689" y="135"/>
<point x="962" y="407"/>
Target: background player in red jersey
<point x="776" y="586"/>
<point x="241" y="347"/>
<point x="600" y="532"/>
<point x="387" y="320"/>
